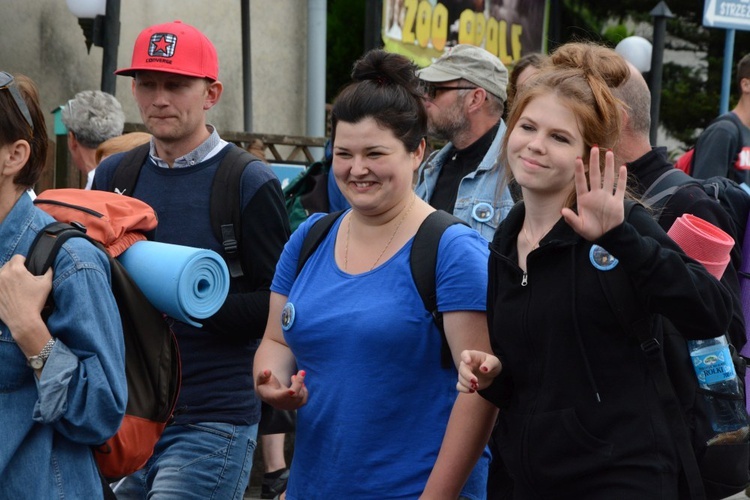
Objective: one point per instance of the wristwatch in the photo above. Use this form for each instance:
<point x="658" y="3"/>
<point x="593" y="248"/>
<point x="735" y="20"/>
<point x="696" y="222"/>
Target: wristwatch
<point x="37" y="362"/>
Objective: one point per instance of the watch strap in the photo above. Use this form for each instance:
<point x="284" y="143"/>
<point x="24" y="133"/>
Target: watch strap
<point x="44" y="353"/>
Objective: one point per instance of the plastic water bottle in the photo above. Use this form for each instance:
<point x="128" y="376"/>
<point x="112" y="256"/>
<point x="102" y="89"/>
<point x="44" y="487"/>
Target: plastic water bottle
<point x="712" y="361"/>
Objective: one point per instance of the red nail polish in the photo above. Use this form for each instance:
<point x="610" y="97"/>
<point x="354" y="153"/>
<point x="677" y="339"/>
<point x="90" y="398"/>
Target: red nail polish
<point x="594" y="146"/>
<point x="472" y="391"/>
<point x="291" y="393"/>
<point x="484" y="369"/>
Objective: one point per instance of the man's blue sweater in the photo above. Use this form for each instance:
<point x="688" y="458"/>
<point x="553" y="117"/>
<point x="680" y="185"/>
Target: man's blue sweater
<point x="217" y="383"/>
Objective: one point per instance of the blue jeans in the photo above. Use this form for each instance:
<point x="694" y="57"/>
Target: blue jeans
<point x="210" y="460"/>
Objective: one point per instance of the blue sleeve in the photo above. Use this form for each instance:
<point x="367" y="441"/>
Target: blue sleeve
<point x="82" y="389"/>
<point x="336" y="200"/>
<point x="461" y="278"/>
<point x="286" y="268"/>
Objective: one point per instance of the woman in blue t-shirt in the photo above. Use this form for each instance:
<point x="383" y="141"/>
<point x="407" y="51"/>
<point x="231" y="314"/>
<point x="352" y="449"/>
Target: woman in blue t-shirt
<point x="349" y="342"/>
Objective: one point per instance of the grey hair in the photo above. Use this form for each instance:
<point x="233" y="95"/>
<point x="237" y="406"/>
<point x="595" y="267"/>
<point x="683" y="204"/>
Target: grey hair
<point x="93" y="116"/>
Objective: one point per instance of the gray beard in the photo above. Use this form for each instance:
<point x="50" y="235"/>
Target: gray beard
<point x="448" y="130"/>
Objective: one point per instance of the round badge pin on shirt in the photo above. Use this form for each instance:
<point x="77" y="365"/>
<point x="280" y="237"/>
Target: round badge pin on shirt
<point x="483" y="212"/>
<point x="602" y="259"/>
<point x="287" y="316"/>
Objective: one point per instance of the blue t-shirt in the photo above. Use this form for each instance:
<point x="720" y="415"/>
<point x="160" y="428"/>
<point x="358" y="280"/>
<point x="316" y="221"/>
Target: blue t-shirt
<point x="379" y="399"/>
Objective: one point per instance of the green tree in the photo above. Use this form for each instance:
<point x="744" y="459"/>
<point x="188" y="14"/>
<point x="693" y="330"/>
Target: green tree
<point x="690" y="96"/>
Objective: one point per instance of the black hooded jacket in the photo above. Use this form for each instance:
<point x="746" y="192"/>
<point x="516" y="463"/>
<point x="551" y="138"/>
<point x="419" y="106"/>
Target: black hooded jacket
<point x="579" y="417"/>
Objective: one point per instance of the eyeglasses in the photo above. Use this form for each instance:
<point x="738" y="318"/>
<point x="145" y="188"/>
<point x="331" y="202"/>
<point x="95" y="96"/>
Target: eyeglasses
<point x="430" y="91"/>
<point x="7" y="82"/>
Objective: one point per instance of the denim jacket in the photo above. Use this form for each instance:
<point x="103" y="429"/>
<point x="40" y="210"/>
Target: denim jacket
<point x="49" y="424"/>
<point x="478" y="201"/>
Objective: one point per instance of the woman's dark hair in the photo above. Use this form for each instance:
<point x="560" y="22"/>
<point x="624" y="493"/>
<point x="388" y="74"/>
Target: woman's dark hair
<point x="385" y="88"/>
<point x="13" y="127"/>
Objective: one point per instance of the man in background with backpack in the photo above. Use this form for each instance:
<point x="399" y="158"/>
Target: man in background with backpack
<point x="647" y="164"/>
<point x="723" y="148"/>
<point x="206" y="452"/>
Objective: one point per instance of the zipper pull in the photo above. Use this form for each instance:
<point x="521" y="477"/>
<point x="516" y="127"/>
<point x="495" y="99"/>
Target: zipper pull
<point x="525" y="279"/>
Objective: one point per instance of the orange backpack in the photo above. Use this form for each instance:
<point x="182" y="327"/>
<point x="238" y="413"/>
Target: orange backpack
<point x="113" y="222"/>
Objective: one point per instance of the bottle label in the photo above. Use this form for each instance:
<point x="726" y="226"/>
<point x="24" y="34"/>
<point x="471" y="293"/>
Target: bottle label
<point x="713" y="364"/>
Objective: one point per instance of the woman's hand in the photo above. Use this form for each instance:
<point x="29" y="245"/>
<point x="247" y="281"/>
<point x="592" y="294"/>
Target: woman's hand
<point x="600" y="207"/>
<point x="476" y="371"/>
<point x="270" y="390"/>
<point x="22" y="296"/>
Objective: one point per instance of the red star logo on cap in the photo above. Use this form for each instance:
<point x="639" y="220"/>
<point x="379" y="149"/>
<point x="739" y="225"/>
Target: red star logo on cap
<point x="160" y="45"/>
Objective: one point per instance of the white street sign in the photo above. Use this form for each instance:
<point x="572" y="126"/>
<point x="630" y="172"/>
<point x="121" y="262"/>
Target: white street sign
<point x="728" y="14"/>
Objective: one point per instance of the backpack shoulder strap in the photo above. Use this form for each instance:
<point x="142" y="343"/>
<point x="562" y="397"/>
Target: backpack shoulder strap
<point x="315" y="236"/>
<point x="44" y="250"/>
<point x="126" y="174"/>
<point x="665" y="186"/>
<point x="47" y="244"/>
<point x="423" y="263"/>
<point x="225" y="209"/>
<point x="615" y="287"/>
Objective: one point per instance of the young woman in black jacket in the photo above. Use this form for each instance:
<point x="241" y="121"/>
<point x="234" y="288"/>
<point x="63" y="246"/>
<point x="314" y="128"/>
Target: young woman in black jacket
<point x="579" y="415"/>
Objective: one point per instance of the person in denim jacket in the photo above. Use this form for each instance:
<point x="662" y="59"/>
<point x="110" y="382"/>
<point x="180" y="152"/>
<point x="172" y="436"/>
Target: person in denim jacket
<point x="465" y="93"/>
<point x="62" y="383"/>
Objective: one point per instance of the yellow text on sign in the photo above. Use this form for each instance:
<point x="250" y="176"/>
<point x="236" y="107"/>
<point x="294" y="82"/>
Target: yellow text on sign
<point x="425" y="24"/>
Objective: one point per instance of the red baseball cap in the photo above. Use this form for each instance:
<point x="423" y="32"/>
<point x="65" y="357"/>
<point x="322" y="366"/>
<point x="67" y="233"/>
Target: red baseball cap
<point x="174" y="48"/>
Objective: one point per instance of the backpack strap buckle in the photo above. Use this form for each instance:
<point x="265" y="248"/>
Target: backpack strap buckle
<point x="651" y="346"/>
<point x="231" y="250"/>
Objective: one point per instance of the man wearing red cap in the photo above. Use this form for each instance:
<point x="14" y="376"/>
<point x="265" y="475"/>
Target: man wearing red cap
<point x="207" y="450"/>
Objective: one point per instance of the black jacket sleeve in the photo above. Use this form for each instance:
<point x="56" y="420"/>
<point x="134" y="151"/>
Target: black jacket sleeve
<point x="669" y="282"/>
<point x="692" y="200"/>
<point x="265" y="230"/>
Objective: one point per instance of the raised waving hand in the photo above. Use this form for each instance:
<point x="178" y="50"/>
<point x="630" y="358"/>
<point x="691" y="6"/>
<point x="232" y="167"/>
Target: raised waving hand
<point x="600" y="201"/>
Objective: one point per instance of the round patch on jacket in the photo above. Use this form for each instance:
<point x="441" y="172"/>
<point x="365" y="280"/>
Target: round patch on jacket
<point x="602" y="259"/>
<point x="483" y="212"/>
<point x="287" y="316"/>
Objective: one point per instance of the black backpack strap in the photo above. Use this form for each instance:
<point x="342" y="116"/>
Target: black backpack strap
<point x="423" y="263"/>
<point x="47" y="244"/>
<point x="126" y="174"/>
<point x="665" y="186"/>
<point x="315" y="236"/>
<point x="225" y="210"/>
<point x="45" y="248"/>
<point x="615" y="286"/>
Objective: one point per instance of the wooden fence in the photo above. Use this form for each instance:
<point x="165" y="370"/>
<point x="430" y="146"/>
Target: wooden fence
<point x="275" y="148"/>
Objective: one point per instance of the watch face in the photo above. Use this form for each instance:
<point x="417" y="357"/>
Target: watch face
<point x="36" y="362"/>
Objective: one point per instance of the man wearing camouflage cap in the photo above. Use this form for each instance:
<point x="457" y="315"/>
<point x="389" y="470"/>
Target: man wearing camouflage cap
<point x="465" y="93"/>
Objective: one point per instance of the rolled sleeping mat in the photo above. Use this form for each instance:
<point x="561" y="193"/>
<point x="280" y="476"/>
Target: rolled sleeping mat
<point x="184" y="282"/>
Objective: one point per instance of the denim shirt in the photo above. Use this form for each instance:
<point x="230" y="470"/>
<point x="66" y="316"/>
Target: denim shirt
<point x="49" y="424"/>
<point x="478" y="201"/>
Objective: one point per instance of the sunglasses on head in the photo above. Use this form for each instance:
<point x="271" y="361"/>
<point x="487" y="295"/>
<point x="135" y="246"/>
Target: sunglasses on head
<point x="430" y="90"/>
<point x="7" y="82"/>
